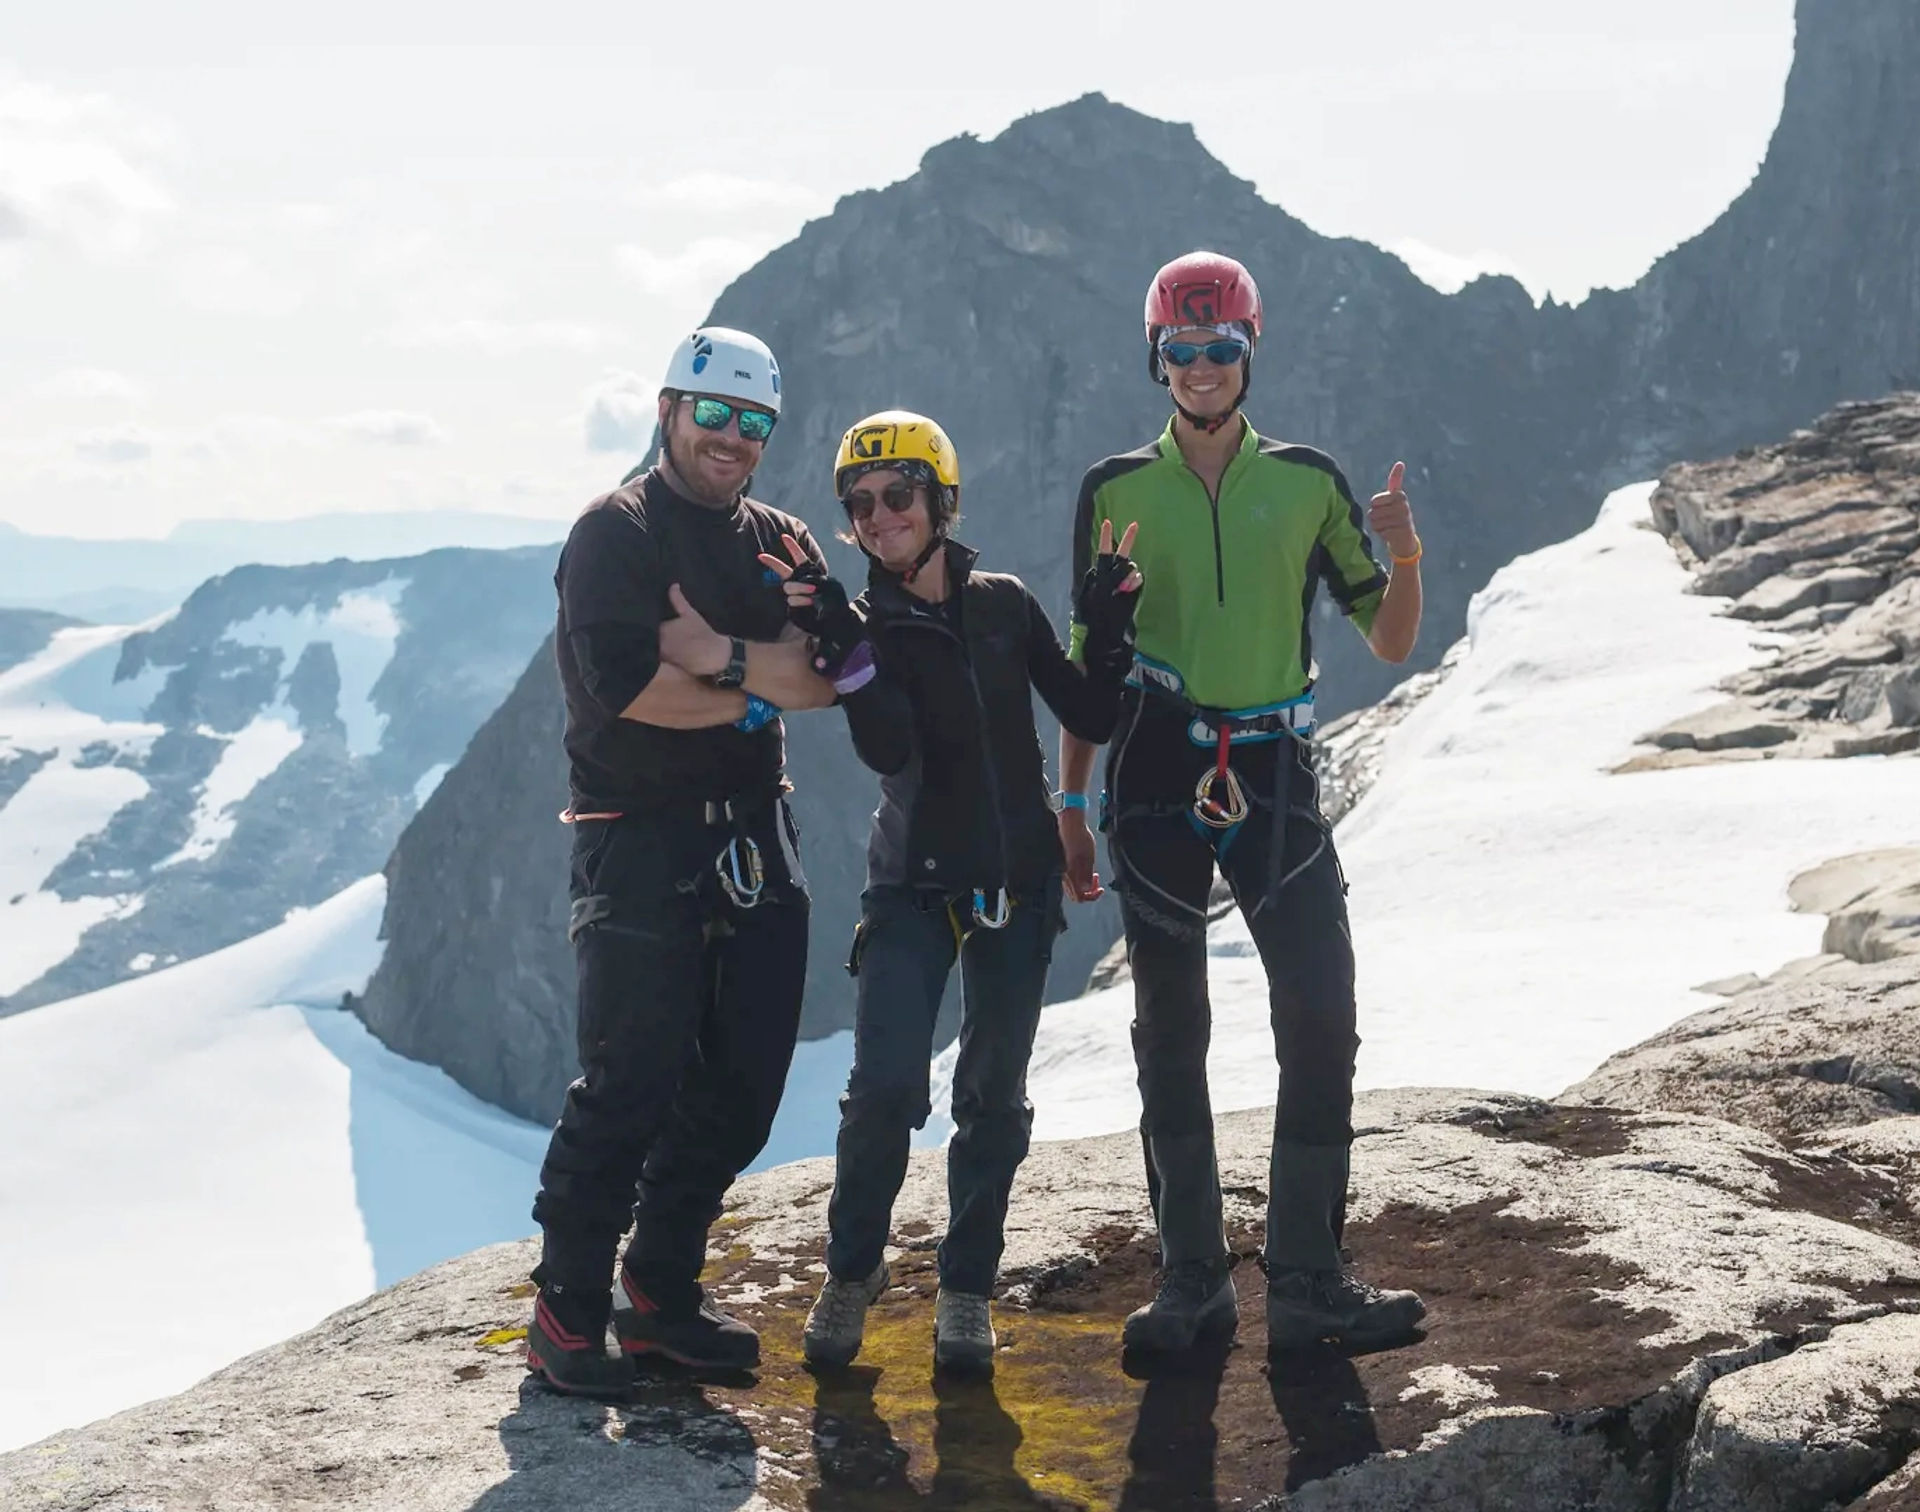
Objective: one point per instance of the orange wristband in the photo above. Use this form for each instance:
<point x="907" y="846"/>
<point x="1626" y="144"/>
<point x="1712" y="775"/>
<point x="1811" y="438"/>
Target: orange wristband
<point x="1407" y="561"/>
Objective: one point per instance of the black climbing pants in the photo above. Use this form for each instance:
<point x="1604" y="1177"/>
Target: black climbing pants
<point x="902" y="955"/>
<point x="1287" y="880"/>
<point x="689" y="1005"/>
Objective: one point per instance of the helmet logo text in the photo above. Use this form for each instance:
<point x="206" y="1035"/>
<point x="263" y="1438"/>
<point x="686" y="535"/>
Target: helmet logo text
<point x="1199" y="303"/>
<point x="872" y="441"/>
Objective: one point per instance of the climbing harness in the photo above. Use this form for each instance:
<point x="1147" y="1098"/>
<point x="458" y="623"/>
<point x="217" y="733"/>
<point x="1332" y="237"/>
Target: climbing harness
<point x="1221" y="804"/>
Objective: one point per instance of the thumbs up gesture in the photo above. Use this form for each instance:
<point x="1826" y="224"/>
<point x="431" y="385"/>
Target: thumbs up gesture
<point x="1390" y="516"/>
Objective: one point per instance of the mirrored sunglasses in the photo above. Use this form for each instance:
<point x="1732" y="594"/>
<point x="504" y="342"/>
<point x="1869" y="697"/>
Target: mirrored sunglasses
<point x="1225" y="352"/>
<point x="861" y="502"/>
<point x="713" y="415"/>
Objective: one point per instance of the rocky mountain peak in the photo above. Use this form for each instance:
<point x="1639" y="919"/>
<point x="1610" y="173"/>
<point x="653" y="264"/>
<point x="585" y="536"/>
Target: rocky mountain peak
<point x="999" y="290"/>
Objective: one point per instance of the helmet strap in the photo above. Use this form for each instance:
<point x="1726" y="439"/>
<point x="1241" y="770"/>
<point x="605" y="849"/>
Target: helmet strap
<point x="1208" y="425"/>
<point x="933" y="546"/>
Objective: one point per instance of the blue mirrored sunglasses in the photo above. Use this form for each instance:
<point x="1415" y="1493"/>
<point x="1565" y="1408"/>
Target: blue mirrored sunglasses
<point x="713" y="414"/>
<point x="1225" y="352"/>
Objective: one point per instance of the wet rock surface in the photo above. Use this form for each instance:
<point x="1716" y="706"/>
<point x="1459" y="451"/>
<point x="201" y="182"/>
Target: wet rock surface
<point x="1599" y="1283"/>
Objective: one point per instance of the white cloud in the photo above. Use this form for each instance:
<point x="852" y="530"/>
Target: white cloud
<point x="388" y="427"/>
<point x="697" y="272"/>
<point x="119" y="446"/>
<point x="248" y="433"/>
<point x="621" y="411"/>
<point x="93" y="386"/>
<point x="229" y="281"/>
<point x="503" y="337"/>
<point x="307" y="215"/>
<point x="1450" y="272"/>
<point x="729" y="193"/>
<point x="71" y="170"/>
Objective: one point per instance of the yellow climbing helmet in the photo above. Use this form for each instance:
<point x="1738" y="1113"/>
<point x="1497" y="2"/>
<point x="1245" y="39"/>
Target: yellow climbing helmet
<point x="905" y="442"/>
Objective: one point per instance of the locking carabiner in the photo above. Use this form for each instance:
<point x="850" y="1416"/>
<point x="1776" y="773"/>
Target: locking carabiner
<point x="1002" y="909"/>
<point x="743" y="889"/>
<point x="1213" y="811"/>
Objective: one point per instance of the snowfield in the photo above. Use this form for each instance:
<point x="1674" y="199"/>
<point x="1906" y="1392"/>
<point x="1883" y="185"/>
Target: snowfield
<point x="362" y="626"/>
<point x="215" y="1156"/>
<point x="61" y="708"/>
<point x="1519" y="911"/>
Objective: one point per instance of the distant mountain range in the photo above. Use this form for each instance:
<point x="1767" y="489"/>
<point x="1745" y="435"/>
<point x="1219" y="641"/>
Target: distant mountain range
<point x="174" y="788"/>
<point x="124" y="581"/>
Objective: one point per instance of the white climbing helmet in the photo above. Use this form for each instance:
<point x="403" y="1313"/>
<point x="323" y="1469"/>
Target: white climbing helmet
<point x="727" y="364"/>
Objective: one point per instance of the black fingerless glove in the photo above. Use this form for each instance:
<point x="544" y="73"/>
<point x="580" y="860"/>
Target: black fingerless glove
<point x="832" y="622"/>
<point x="1107" y="614"/>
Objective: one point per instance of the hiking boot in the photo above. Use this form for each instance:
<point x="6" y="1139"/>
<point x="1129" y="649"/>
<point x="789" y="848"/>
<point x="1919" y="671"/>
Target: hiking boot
<point x="1196" y="1302"/>
<point x="838" y="1319"/>
<point x="567" y="1346"/>
<point x="963" y="1338"/>
<point x="680" y="1324"/>
<point x="1306" y="1306"/>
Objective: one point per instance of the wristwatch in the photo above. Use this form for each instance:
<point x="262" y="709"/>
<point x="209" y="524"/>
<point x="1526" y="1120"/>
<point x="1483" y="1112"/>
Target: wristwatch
<point x="736" y="668"/>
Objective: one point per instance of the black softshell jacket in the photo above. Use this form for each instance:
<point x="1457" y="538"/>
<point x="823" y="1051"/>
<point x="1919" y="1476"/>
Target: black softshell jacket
<point x="948" y="725"/>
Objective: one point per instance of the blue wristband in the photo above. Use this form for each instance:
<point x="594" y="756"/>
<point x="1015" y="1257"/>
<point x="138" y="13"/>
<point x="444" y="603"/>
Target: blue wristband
<point x="1073" y="800"/>
<point x="759" y="714"/>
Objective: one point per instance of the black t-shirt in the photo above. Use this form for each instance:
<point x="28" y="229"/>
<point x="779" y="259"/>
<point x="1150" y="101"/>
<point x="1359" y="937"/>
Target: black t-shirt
<point x="623" y="553"/>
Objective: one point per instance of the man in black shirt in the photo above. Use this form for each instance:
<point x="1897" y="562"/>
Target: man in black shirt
<point x="689" y="913"/>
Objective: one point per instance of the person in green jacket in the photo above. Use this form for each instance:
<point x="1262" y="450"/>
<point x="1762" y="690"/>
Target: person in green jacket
<point x="1210" y="766"/>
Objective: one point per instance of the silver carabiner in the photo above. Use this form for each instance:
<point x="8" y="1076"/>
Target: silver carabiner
<point x="1002" y="909"/>
<point x="743" y="890"/>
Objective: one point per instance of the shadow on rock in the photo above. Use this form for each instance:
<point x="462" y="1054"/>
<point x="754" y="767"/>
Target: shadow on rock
<point x="1328" y="1416"/>
<point x="672" y="1450"/>
<point x="1172" y="1453"/>
<point x="863" y="1469"/>
<point x="854" y="1451"/>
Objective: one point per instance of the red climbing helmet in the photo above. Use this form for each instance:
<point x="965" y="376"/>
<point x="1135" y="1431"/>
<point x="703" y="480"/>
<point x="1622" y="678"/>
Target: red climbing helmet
<point x="1202" y="289"/>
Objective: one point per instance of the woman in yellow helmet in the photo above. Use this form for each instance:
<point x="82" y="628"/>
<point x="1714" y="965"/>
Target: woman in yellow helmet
<point x="936" y="665"/>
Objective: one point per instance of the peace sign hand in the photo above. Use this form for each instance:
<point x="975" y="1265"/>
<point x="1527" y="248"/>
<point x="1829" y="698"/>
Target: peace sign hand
<point x="1108" y="597"/>
<point x="817" y="604"/>
<point x="802" y="579"/>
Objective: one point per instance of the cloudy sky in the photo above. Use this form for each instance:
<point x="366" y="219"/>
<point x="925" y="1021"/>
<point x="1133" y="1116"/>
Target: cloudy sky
<point x="403" y="257"/>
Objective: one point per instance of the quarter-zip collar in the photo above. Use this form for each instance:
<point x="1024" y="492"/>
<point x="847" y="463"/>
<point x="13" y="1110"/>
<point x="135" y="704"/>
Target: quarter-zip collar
<point x="1170" y="447"/>
<point x="1249" y="446"/>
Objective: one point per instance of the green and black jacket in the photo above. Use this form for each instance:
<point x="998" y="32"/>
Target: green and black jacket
<point x="1230" y="582"/>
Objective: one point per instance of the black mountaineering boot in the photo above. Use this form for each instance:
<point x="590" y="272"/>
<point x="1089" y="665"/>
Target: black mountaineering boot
<point x="677" y="1322"/>
<point x="1196" y="1304"/>
<point x="567" y="1345"/>
<point x="1306" y="1306"/>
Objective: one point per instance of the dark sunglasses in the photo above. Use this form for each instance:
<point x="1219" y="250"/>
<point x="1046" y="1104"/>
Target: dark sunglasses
<point x="713" y="414"/>
<point x="1222" y="353"/>
<point x="861" y="502"/>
